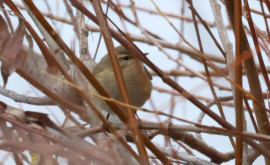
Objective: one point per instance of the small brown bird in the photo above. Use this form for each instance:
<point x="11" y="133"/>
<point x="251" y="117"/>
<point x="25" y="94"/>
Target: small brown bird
<point x="138" y="84"/>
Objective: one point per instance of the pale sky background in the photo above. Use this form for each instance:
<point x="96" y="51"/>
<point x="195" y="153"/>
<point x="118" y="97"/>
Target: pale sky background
<point x="160" y="26"/>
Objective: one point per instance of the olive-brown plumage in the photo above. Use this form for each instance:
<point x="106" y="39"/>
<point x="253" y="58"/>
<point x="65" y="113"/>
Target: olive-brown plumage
<point x="138" y="84"/>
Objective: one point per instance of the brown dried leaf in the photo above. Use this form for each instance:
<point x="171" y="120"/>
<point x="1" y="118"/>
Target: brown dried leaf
<point x="17" y="113"/>
<point x="13" y="54"/>
<point x="43" y="120"/>
<point x="4" y="34"/>
<point x="3" y="106"/>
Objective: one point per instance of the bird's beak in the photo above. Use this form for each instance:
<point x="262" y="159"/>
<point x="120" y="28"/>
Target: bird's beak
<point x="145" y="54"/>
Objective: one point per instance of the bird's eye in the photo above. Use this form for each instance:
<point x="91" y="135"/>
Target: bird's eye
<point x="126" y="58"/>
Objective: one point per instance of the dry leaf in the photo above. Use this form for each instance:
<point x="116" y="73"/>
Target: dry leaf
<point x="17" y="113"/>
<point x="13" y="54"/>
<point x="3" y="107"/>
<point x="43" y="120"/>
<point x="4" y="34"/>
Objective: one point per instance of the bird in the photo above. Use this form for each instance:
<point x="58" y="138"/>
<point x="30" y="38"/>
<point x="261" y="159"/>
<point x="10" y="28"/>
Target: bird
<point x="138" y="81"/>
